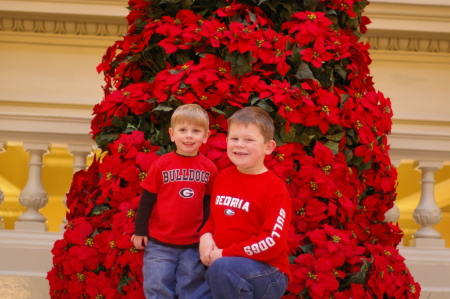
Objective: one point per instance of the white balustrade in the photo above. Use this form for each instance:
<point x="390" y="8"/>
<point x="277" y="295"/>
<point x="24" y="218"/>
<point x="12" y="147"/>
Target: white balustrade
<point x="33" y="197"/>
<point x="427" y="213"/>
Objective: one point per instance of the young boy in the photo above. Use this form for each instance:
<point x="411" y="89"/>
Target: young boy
<point x="244" y="241"/>
<point x="174" y="204"/>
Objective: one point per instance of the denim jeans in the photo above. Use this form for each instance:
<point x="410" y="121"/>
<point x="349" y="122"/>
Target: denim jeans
<point x="242" y="278"/>
<point x="171" y="272"/>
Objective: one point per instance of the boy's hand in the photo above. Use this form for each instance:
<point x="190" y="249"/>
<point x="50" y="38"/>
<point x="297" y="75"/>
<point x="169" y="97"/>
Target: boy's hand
<point x="207" y="245"/>
<point x="215" y="254"/>
<point x="139" y="241"/>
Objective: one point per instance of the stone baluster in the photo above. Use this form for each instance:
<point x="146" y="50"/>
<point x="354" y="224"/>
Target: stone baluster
<point x="33" y="197"/>
<point x="80" y="153"/>
<point x="427" y="213"/>
<point x="2" y="196"/>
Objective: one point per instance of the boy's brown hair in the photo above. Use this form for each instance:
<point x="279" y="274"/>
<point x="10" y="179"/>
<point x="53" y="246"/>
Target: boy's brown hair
<point x="257" y="116"/>
<point x="191" y="114"/>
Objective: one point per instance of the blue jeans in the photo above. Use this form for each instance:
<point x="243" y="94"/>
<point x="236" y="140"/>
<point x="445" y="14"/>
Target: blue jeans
<point x="171" y="272"/>
<point x="243" y="278"/>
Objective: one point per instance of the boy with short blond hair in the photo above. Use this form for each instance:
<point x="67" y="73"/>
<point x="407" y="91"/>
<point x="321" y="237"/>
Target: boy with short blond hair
<point x="174" y="205"/>
<point x="244" y="241"/>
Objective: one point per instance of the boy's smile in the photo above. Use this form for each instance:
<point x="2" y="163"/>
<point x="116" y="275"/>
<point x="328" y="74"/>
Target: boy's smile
<point x="246" y="148"/>
<point x="188" y="138"/>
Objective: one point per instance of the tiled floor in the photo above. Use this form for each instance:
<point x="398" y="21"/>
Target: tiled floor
<point x="20" y="287"/>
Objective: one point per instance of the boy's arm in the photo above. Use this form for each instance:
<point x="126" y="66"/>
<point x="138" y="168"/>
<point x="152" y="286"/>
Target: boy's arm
<point x="144" y="211"/>
<point x="272" y="240"/>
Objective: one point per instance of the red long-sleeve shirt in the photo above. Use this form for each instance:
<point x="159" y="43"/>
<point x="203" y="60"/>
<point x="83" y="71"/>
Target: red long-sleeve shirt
<point x="180" y="184"/>
<point x="250" y="216"/>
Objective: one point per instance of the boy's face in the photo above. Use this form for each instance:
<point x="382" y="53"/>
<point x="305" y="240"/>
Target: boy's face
<point x="188" y="138"/>
<point x="246" y="148"/>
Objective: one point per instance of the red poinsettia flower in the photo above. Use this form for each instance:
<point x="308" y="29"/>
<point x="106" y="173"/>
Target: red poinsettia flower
<point x="282" y="158"/>
<point x="307" y="214"/>
<point x="316" y="55"/>
<point x="356" y="291"/>
<point x="324" y="112"/>
<point x="307" y="26"/>
<point x="217" y="122"/>
<point x="332" y="244"/>
<point x="242" y="38"/>
<point x="273" y="49"/>
<point x="314" y="275"/>
<point x="231" y="9"/>
<point x="100" y="286"/>
<point x="113" y="171"/>
<point x="215" y="32"/>
<point x="344" y="5"/>
<point x="216" y="150"/>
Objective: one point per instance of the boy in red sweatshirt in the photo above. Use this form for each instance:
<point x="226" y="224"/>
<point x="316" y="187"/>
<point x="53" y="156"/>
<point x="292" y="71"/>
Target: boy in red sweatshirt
<point x="174" y="202"/>
<point x="244" y="241"/>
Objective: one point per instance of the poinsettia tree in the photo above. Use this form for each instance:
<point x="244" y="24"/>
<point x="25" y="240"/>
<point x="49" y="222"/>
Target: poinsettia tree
<point x="304" y="63"/>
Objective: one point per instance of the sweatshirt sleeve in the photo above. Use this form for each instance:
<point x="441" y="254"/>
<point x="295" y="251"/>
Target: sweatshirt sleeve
<point x="209" y="226"/>
<point x="144" y="211"/>
<point x="272" y="239"/>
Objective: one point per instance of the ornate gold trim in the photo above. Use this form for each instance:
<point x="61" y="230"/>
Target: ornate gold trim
<point x="409" y="43"/>
<point x="62" y="27"/>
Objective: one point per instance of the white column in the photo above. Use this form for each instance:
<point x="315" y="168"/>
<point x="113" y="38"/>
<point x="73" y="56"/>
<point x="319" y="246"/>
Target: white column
<point x="2" y="196"/>
<point x="427" y="213"/>
<point x="80" y="153"/>
<point x="33" y="197"/>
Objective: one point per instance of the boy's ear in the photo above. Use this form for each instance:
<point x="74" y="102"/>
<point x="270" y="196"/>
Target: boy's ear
<point x="171" y="134"/>
<point x="208" y="133"/>
<point x="271" y="145"/>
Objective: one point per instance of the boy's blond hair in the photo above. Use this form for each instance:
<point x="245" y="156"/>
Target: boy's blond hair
<point x="191" y="114"/>
<point x="257" y="116"/>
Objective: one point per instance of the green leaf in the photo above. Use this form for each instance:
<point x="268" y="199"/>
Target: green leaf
<point x="104" y="139"/>
<point x="335" y="137"/>
<point x="254" y="100"/>
<point x="229" y="110"/>
<point x="130" y="128"/>
<point x="170" y="1"/>
<point x="359" y="277"/>
<point x="240" y="63"/>
<point x="124" y="281"/>
<point x="292" y="258"/>
<point x="161" y="151"/>
<point x="306" y="139"/>
<point x="311" y="4"/>
<point x="304" y="72"/>
<point x="99" y="209"/>
<point x="266" y="104"/>
<point x="364" y="166"/>
<point x="348" y="155"/>
<point x="163" y="107"/>
<point x="307" y="248"/>
<point x="333" y="146"/>
<point x="118" y="122"/>
<point x="340" y="71"/>
<point x="277" y="137"/>
<point x="217" y="110"/>
<point x="182" y="57"/>
<point x="288" y="136"/>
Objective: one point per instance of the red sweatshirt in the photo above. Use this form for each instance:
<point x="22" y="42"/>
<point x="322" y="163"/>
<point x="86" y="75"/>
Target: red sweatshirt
<point x="250" y="216"/>
<point x="180" y="184"/>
